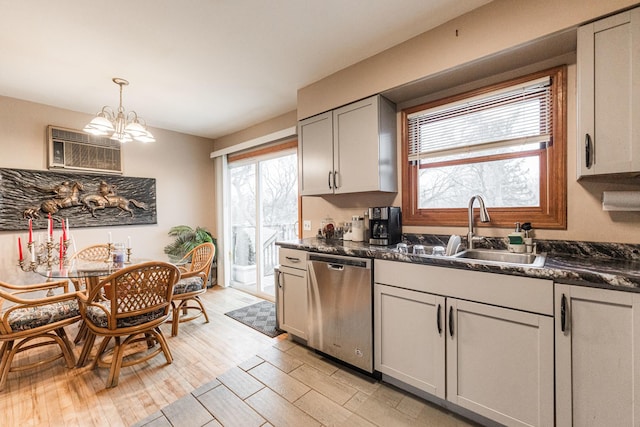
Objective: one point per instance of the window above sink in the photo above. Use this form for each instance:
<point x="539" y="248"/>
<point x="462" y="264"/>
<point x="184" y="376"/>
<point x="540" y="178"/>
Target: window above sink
<point x="505" y="141"/>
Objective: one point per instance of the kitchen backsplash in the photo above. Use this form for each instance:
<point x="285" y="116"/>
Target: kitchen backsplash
<point x="621" y="251"/>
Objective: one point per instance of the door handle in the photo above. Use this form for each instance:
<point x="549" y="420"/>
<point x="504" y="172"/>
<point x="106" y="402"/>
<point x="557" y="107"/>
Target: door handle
<point x="335" y="179"/>
<point x="563" y="313"/>
<point x="439" y="320"/>
<point x="329" y="181"/>
<point x="588" y="151"/>
<point x="279" y="279"/>
<point x="451" y="321"/>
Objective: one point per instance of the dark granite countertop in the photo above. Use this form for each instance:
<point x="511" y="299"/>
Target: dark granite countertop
<point x="603" y="265"/>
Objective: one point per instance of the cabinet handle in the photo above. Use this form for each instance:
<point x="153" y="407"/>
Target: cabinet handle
<point x="439" y="321"/>
<point x="329" y="181"/>
<point x="588" y="151"/>
<point x="279" y="279"/>
<point x="335" y="180"/>
<point x="563" y="313"/>
<point x="451" y="321"/>
<point x="292" y="259"/>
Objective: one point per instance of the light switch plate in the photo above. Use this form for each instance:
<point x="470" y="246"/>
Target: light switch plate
<point x="306" y="225"/>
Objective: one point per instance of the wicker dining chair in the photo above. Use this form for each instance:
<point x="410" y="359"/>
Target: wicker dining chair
<point x="138" y="301"/>
<point x="192" y="284"/>
<point x="94" y="253"/>
<point x="35" y="316"/>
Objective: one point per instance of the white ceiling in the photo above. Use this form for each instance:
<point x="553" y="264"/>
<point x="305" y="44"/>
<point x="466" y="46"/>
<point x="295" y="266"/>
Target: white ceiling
<point x="201" y="67"/>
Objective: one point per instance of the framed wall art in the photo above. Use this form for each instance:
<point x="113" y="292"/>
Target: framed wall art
<point x="86" y="200"/>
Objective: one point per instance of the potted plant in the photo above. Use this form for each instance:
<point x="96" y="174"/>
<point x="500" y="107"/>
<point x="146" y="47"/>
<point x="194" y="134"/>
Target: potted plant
<point x="187" y="238"/>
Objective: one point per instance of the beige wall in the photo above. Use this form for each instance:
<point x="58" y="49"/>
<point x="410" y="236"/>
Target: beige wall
<point x="276" y="124"/>
<point x="493" y="28"/>
<point x="179" y="163"/>
<point x="500" y="26"/>
<point x="496" y="27"/>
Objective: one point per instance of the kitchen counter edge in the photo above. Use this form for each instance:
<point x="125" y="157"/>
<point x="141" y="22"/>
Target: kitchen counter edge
<point x="601" y="273"/>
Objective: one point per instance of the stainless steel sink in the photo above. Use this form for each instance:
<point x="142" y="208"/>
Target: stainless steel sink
<point x="502" y="257"/>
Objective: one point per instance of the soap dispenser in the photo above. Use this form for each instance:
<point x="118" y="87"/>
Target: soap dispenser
<point x="516" y="239"/>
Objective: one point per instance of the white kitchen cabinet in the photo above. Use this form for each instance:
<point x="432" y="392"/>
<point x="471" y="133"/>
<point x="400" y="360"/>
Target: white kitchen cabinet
<point x="350" y="149"/>
<point x="292" y="292"/>
<point x="597" y="357"/>
<point x="500" y="363"/>
<point x="409" y="337"/>
<point x="315" y="154"/>
<point x="608" y="66"/>
<point x="492" y="356"/>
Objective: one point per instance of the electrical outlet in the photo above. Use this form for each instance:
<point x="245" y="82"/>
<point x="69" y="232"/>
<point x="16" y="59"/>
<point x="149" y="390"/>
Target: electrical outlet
<point x="306" y="225"/>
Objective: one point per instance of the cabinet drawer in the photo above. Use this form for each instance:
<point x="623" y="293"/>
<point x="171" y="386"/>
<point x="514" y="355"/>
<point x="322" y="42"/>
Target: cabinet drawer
<point x="520" y="293"/>
<point x="293" y="258"/>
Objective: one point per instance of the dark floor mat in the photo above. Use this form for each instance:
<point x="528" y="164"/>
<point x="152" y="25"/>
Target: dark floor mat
<point x="260" y="316"/>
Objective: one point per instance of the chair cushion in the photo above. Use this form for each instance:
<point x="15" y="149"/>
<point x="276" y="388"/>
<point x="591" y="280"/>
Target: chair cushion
<point x="189" y="284"/>
<point x="99" y="317"/>
<point x="33" y="317"/>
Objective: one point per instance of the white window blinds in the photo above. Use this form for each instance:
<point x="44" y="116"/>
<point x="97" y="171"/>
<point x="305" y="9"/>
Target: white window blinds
<point x="510" y="116"/>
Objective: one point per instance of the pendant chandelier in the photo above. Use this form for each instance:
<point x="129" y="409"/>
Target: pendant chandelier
<point x="123" y="127"/>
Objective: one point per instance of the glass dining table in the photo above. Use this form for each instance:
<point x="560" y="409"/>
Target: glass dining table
<point x="87" y="271"/>
<point x="84" y="274"/>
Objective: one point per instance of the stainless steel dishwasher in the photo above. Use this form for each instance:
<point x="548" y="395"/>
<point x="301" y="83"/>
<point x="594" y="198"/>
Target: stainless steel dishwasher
<point x="340" y="309"/>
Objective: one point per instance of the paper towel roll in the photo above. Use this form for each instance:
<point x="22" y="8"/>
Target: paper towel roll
<point x="621" y="200"/>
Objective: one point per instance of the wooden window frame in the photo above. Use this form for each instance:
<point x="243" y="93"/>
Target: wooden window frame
<point x="552" y="212"/>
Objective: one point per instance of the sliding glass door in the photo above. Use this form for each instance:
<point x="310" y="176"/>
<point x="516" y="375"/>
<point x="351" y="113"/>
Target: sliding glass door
<point x="263" y="195"/>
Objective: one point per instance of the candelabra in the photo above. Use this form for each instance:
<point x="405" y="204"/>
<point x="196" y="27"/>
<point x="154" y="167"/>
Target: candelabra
<point x="109" y="252"/>
<point x="45" y="254"/>
<point x="128" y="261"/>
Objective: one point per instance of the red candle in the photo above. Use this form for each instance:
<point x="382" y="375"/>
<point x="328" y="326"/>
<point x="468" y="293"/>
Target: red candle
<point x="50" y="227"/>
<point x="64" y="230"/>
<point x="61" y="250"/>
<point x="20" y="249"/>
<point x="30" y="230"/>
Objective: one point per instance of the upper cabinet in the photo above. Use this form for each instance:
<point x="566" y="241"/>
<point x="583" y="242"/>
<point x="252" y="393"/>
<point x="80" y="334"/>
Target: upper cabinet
<point x="350" y="149"/>
<point x="609" y="95"/>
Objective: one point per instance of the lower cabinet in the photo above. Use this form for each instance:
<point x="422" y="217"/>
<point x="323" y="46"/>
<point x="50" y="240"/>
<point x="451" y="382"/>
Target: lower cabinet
<point x="494" y="361"/>
<point x="409" y="337"/>
<point x="597" y="357"/>
<point x="291" y="283"/>
<point x="500" y="363"/>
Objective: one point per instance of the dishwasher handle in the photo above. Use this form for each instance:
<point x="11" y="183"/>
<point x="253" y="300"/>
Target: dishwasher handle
<point x="335" y="267"/>
<point x="337" y="260"/>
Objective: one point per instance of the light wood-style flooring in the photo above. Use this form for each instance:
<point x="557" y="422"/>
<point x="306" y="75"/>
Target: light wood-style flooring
<point x="56" y="396"/>
<point x="223" y="373"/>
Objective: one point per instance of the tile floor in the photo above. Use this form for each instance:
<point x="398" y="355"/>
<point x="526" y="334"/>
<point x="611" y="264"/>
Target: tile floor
<point x="289" y="385"/>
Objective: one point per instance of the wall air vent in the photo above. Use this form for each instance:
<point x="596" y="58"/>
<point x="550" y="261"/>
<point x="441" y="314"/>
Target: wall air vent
<point x="76" y="150"/>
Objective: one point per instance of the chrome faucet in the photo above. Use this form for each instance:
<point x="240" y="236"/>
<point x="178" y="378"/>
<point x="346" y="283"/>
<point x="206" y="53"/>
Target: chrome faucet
<point x="484" y="217"/>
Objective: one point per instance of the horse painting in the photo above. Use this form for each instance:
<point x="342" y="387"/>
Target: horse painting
<point x="67" y="196"/>
<point x="94" y="202"/>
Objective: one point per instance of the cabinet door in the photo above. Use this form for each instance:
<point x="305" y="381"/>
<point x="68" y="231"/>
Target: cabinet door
<point x="597" y="357"/>
<point x="500" y="363"/>
<point x="355" y="155"/>
<point x="409" y="337"/>
<point x="292" y="301"/>
<point x="609" y="95"/>
<point x="315" y="154"/>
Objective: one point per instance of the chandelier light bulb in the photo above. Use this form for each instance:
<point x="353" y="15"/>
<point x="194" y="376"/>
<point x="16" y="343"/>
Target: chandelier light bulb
<point x="123" y="127"/>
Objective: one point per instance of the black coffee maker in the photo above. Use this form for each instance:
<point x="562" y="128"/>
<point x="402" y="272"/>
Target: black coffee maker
<point x="385" y="225"/>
